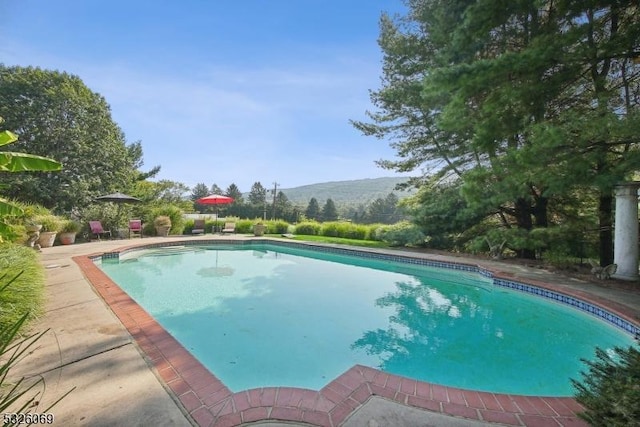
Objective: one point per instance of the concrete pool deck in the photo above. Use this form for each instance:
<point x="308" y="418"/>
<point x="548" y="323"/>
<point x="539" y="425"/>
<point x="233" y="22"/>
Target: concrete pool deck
<point x="128" y="371"/>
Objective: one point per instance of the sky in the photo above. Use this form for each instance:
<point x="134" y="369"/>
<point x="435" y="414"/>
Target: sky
<point x="221" y="91"/>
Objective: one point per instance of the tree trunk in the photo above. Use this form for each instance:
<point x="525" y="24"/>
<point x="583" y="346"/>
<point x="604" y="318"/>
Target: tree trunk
<point x="523" y="218"/>
<point x="605" y="213"/>
<point x="540" y="212"/>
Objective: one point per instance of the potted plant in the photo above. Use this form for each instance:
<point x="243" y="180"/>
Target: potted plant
<point x="162" y="224"/>
<point x="50" y="227"/>
<point x="258" y="229"/>
<point x="68" y="232"/>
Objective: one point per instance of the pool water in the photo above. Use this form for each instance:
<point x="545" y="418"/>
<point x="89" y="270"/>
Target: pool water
<point x="274" y="316"/>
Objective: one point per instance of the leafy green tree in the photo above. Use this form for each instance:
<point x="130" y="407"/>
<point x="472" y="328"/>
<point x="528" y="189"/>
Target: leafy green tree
<point x="313" y="209"/>
<point x="329" y="211"/>
<point x="54" y="114"/>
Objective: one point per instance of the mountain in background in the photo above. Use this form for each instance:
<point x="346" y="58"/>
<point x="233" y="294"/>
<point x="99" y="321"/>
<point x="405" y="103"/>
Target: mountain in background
<point x="352" y="193"/>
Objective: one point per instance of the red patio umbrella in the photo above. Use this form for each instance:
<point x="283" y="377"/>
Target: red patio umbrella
<point x="215" y="199"/>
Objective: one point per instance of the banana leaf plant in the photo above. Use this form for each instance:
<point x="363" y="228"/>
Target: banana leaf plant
<point x="19" y="162"/>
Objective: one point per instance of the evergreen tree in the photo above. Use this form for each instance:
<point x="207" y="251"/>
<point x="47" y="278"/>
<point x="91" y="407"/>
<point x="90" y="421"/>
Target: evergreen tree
<point x="284" y="208"/>
<point x="234" y="192"/>
<point x="216" y="190"/>
<point x="313" y="210"/>
<point x="525" y="102"/>
<point x="329" y="211"/>
<point x="258" y="200"/>
<point x="198" y="191"/>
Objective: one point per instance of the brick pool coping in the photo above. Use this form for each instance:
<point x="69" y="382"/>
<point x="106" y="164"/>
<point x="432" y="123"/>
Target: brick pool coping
<point x="210" y="403"/>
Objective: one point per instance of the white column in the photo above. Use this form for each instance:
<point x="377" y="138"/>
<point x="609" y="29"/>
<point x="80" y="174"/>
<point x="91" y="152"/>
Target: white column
<point x="625" y="253"/>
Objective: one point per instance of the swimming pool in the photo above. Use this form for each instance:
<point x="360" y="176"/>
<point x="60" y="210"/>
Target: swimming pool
<point x="254" y="319"/>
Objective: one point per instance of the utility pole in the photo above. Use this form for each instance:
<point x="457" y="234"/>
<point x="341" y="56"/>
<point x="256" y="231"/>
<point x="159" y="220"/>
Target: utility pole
<point x="275" y="190"/>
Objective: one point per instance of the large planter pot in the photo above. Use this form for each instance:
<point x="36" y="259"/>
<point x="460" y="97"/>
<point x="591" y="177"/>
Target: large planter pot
<point x="163" y="231"/>
<point x="68" y="238"/>
<point x="258" y="229"/>
<point x="47" y="238"/>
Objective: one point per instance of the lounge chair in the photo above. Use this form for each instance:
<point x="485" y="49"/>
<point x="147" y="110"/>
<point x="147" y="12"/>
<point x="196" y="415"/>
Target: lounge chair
<point x="135" y="228"/>
<point x="198" y="226"/>
<point x="97" y="231"/>
<point x="229" y="227"/>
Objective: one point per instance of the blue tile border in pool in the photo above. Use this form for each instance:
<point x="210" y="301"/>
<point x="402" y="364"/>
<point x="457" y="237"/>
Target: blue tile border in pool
<point x="574" y="302"/>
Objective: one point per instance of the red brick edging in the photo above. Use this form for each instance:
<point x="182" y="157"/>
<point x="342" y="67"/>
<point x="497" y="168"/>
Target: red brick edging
<point x="210" y="403"/>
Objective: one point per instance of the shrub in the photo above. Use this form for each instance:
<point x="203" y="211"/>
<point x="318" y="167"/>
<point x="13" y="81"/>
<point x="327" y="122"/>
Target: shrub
<point x="70" y="226"/>
<point x="330" y="229"/>
<point x="279" y="227"/>
<point x="610" y="390"/>
<point x="50" y="223"/>
<point x="355" y="231"/>
<point x="244" y="226"/>
<point x="308" y="228"/>
<point x="175" y="215"/>
<point x="403" y="233"/>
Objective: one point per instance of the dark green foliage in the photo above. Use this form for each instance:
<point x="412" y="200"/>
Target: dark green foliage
<point x="329" y="211"/>
<point x="402" y="234"/>
<point x="258" y="195"/>
<point x="525" y="103"/>
<point x="308" y="228"/>
<point x="610" y="389"/>
<point x="383" y="210"/>
<point x="443" y="215"/>
<point x="313" y="210"/>
<point x="55" y="115"/>
<point x="198" y="191"/>
<point x="277" y="227"/>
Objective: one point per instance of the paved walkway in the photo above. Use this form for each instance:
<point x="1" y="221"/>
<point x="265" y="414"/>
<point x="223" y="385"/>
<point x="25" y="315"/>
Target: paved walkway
<point x="129" y="371"/>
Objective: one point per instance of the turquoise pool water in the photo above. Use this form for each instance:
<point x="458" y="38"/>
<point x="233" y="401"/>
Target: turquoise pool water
<point x="275" y="316"/>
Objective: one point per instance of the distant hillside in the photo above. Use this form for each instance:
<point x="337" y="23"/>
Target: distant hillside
<point x="352" y="193"/>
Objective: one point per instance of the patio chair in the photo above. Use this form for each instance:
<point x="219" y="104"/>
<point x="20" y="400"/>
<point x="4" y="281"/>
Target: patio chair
<point x="97" y="231"/>
<point x="198" y="226"/>
<point x="229" y="227"/>
<point x="135" y="228"/>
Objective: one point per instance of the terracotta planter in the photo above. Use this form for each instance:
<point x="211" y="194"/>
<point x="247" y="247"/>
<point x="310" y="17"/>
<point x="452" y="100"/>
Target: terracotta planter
<point x="67" y="238"/>
<point x="47" y="238"/>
